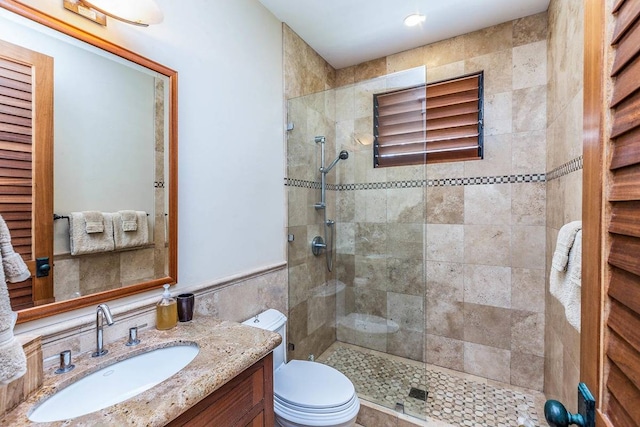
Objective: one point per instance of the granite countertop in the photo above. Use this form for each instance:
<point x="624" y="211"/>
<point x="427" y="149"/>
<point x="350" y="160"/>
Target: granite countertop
<point x="226" y="349"/>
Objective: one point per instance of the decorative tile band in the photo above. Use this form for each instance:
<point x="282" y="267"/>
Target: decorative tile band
<point x="565" y="169"/>
<point x="442" y="182"/>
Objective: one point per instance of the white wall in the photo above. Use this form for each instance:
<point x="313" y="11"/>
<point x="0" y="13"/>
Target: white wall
<point x="228" y="54"/>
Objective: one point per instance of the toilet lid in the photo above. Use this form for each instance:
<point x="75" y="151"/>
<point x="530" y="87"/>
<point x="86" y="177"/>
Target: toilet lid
<point x="312" y="385"/>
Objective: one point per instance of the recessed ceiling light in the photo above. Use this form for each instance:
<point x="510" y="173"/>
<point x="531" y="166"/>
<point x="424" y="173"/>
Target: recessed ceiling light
<point x="414" y="19"/>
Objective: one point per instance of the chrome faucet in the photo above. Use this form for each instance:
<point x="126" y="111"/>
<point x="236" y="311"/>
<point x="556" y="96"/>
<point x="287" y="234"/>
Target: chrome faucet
<point x="102" y="314"/>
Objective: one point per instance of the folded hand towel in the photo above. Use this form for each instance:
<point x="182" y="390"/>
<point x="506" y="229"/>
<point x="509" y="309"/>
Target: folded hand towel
<point x="131" y="239"/>
<point x="566" y="236"/>
<point x="14" y="267"/>
<point x="129" y="221"/>
<point x="82" y="242"/>
<point x="566" y="285"/>
<point x="13" y="363"/>
<point x="94" y="221"/>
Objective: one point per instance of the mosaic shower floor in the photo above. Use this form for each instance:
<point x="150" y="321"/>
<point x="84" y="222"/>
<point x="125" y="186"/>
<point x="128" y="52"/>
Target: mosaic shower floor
<point x="453" y="397"/>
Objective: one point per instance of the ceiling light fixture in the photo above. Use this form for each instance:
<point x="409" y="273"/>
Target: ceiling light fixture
<point x="414" y="19"/>
<point x="136" y="12"/>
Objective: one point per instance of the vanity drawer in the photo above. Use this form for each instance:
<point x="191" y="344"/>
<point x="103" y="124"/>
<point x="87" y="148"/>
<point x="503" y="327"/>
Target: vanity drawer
<point x="246" y="400"/>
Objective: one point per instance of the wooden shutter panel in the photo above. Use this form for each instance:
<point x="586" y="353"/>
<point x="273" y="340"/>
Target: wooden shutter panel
<point x="623" y="322"/>
<point x="16" y="166"/>
<point x="26" y="163"/>
<point x="430" y="123"/>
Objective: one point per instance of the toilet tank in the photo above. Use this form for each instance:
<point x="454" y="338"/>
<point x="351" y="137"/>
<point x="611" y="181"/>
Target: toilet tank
<point x="274" y="321"/>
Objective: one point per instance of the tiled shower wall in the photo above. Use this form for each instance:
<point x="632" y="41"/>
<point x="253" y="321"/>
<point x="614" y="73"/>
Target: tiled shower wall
<point x="564" y="184"/>
<point x="481" y="241"/>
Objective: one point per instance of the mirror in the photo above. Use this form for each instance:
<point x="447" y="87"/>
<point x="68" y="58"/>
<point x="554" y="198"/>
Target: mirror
<point x="115" y="148"/>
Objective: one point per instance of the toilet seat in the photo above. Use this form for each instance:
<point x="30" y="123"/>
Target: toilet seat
<point x="313" y="394"/>
<point x="312" y="385"/>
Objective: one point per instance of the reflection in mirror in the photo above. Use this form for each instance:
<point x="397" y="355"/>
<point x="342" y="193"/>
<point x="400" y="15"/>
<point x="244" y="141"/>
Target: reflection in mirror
<point x="114" y="150"/>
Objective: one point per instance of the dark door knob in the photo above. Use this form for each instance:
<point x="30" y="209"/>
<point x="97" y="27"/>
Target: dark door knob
<point x="557" y="415"/>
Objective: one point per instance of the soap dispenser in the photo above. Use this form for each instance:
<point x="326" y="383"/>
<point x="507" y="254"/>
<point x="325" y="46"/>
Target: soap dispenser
<point x="166" y="311"/>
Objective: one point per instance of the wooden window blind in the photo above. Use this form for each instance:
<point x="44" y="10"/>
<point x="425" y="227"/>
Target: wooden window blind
<point x="436" y="122"/>
<point x="16" y="165"/>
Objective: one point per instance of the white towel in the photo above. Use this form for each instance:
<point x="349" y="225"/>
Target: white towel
<point x="566" y="236"/>
<point x="129" y="220"/>
<point x="13" y="362"/>
<point x="566" y="286"/>
<point x="94" y="221"/>
<point x="131" y="239"/>
<point x="82" y="242"/>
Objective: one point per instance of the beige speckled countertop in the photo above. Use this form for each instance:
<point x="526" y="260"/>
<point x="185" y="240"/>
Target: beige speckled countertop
<point x="226" y="349"/>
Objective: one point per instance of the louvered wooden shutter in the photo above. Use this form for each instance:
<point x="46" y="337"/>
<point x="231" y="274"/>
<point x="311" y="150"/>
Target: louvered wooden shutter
<point x="431" y="123"/>
<point x="16" y="166"/>
<point x="623" y="321"/>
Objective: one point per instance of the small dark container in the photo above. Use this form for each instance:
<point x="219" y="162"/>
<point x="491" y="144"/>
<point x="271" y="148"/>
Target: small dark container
<point x="185" y="307"/>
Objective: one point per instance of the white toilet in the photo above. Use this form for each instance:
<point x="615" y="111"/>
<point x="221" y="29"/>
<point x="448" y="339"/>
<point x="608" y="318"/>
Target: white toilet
<point x="306" y="393"/>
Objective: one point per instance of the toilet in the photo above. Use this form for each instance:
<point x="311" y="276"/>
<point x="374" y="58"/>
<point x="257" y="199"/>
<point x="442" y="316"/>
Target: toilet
<point x="306" y="393"/>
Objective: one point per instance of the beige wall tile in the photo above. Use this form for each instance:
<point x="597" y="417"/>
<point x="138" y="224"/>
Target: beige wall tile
<point x="488" y="40"/>
<point x="406" y="310"/>
<point x="444" y="300"/>
<point x="445" y="205"/>
<point x="487" y="285"/>
<point x="528" y="204"/>
<point x="405" y="205"/>
<point x="529" y="109"/>
<point x="487" y="245"/>
<point x="530" y="29"/>
<point x="498" y="70"/>
<point x="486" y="325"/>
<point x="406" y="275"/>
<point x="528" y="289"/>
<point x="527" y="332"/>
<point x="528" y="152"/>
<point x="527" y="371"/>
<point x="445" y="352"/>
<point x="445" y="52"/>
<point x="370" y="69"/>
<point x="487" y="362"/>
<point x="487" y="204"/>
<point x="445" y="243"/>
<point x="498" y="113"/>
<point x="528" y="246"/>
<point x="530" y="65"/>
<point x="405" y="60"/>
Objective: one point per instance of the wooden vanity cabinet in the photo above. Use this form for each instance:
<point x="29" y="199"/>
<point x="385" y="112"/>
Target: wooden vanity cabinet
<point x="246" y="400"/>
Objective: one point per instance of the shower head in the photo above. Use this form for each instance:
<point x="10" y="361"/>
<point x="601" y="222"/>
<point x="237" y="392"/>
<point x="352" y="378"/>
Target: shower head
<point x="344" y="155"/>
<point x="319" y="139"/>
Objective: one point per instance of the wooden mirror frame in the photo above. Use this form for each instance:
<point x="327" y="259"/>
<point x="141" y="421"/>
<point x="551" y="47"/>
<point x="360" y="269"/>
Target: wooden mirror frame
<point x="51" y="309"/>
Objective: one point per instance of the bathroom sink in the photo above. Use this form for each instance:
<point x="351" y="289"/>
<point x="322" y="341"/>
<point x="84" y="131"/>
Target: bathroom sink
<point x="114" y="383"/>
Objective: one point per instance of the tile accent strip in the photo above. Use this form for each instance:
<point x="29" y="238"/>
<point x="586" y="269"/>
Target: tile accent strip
<point x="565" y="169"/>
<point x="441" y="182"/>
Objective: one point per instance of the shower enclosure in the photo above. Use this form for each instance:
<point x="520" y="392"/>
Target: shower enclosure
<point x="369" y="295"/>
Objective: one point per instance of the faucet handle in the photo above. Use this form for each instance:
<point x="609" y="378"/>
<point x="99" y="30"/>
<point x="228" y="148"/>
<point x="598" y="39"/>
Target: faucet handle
<point x="133" y="337"/>
<point x="65" y="362"/>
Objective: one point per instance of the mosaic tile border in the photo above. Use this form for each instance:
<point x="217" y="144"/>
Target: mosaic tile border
<point x="441" y="182"/>
<point x="573" y="165"/>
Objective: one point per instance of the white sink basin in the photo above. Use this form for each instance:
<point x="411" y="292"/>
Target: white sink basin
<point x="114" y="384"/>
